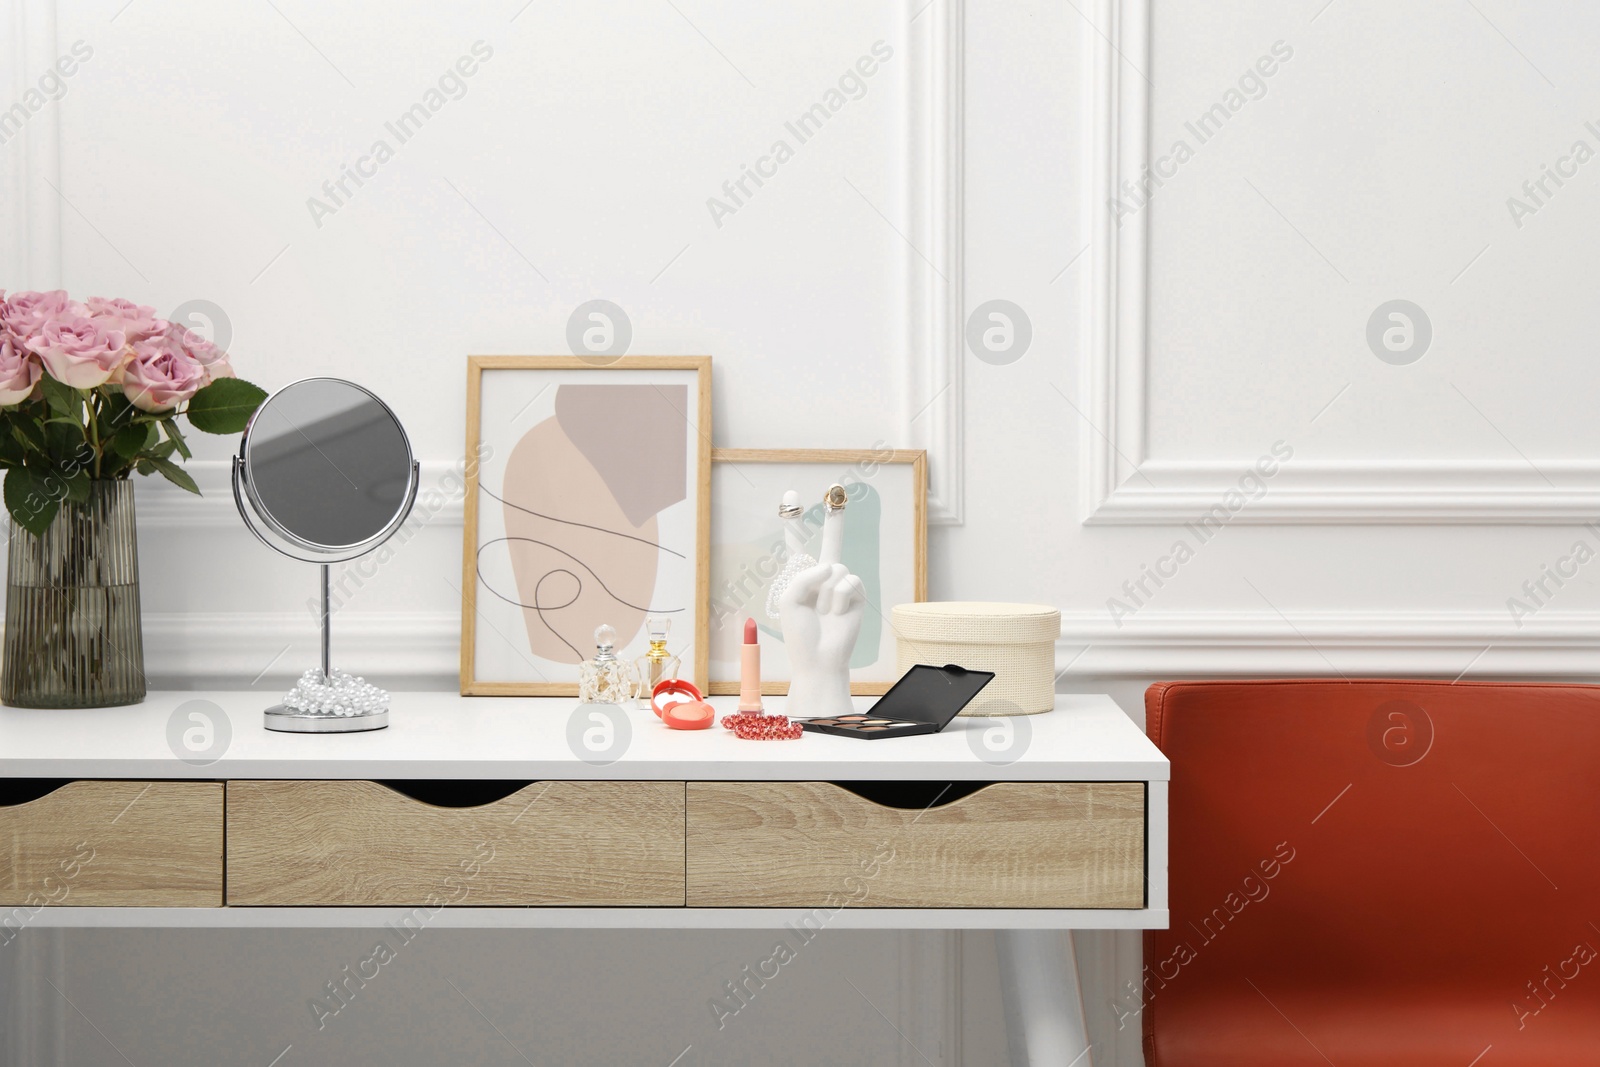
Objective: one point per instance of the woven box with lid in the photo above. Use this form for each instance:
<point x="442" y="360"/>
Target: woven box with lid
<point x="1015" y="641"/>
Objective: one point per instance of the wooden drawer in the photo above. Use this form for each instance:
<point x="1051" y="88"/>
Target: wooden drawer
<point x="364" y="844"/>
<point x="1008" y="845"/>
<point x="114" y="844"/>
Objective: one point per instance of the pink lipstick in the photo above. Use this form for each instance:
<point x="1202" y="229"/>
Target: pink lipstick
<point x="750" y="670"/>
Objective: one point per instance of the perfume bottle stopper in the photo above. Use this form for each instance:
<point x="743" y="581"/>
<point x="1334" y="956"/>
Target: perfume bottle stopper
<point x="605" y="679"/>
<point x="657" y="664"/>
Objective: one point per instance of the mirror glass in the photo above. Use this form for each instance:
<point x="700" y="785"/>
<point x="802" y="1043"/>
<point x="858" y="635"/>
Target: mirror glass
<point x="328" y="462"/>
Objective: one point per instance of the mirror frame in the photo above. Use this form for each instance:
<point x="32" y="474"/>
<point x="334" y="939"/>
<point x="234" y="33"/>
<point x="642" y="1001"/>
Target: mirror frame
<point x="299" y="547"/>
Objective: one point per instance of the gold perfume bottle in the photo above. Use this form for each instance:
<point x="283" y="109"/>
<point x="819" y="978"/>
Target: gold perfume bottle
<point x="657" y="663"/>
<point x="605" y="679"/>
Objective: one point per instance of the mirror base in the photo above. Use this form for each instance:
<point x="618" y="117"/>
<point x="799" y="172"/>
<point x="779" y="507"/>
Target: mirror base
<point x="280" y="718"/>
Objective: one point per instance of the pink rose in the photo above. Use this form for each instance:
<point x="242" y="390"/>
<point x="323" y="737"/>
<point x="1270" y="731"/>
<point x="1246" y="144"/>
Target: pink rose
<point x="220" y="368"/>
<point x="136" y="321"/>
<point x="161" y="374"/>
<point x="203" y="352"/>
<point x="79" y="352"/>
<point x="25" y="312"/>
<point x="19" y="372"/>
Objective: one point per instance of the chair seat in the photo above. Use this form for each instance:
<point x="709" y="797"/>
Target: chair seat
<point x="1377" y="873"/>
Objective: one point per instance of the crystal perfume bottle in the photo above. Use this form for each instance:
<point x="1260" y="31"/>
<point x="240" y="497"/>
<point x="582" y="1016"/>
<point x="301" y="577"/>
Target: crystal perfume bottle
<point x="606" y="679"/>
<point x="657" y="663"/>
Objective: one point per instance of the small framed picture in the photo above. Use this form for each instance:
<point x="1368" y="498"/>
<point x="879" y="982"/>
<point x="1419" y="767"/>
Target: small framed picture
<point x="885" y="545"/>
<point x="590" y="504"/>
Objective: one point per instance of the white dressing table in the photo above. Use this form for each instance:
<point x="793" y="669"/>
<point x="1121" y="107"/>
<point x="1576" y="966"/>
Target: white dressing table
<point x="488" y="816"/>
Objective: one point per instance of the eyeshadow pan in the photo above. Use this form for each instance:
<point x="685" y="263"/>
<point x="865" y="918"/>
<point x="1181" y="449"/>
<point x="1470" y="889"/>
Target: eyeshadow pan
<point x="824" y="722"/>
<point x="877" y="722"/>
<point x="864" y="729"/>
<point x="852" y="718"/>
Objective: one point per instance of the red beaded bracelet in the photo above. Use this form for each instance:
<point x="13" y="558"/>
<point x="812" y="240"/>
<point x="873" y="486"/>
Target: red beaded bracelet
<point x="753" y="726"/>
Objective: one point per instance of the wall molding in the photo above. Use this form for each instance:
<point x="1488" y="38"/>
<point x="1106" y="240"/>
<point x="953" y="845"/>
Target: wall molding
<point x="1325" y="644"/>
<point x="162" y="505"/>
<point x="221" y="650"/>
<point x="1112" y="428"/>
<point x="35" y="1016"/>
<point x="1122" y="485"/>
<point x="224" y="650"/>
<point x="933" y="409"/>
<point x="1437" y="493"/>
<point x="930" y="998"/>
<point x="30" y="163"/>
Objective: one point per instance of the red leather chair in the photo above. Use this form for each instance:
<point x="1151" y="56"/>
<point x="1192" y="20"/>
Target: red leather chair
<point x="1367" y="873"/>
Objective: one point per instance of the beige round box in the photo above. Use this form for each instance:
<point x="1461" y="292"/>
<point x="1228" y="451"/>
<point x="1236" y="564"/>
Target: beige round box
<point x="1015" y="641"/>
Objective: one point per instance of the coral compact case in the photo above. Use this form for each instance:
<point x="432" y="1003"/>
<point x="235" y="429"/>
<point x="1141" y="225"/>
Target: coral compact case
<point x="923" y="701"/>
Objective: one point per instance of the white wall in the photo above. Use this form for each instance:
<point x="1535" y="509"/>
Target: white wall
<point x="1173" y="344"/>
<point x="577" y="164"/>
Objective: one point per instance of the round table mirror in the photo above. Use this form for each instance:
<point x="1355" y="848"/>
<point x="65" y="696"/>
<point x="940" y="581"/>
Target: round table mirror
<point x="325" y="474"/>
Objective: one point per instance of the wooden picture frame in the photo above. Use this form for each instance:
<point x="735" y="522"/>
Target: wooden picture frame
<point x="746" y="535"/>
<point x="608" y="468"/>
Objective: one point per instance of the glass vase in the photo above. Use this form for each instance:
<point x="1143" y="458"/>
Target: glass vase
<point x="72" y="637"/>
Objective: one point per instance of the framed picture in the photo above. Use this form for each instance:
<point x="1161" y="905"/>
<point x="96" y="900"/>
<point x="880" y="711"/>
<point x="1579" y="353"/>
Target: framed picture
<point x="590" y="503"/>
<point x="885" y="545"/>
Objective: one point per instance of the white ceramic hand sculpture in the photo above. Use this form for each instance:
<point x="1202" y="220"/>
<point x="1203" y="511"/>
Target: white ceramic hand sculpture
<point x="820" y="613"/>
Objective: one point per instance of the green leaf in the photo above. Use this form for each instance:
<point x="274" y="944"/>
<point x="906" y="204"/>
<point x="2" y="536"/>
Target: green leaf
<point x="11" y="454"/>
<point x="131" y="440"/>
<point x="29" y="431"/>
<point x="63" y="431"/>
<point x="65" y="445"/>
<point x="225" y="406"/>
<point x="63" y="399"/>
<point x="77" y="487"/>
<point x="116" y="411"/>
<point x="162" y="451"/>
<point x="29" y="500"/>
<point x="170" y="425"/>
<point x="113" y="466"/>
<point x="173" y="473"/>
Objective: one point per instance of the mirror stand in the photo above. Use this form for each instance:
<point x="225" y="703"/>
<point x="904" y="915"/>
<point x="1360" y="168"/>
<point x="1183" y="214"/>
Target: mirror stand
<point x="325" y="474"/>
<point x="329" y="701"/>
<point x="327" y="618"/>
<point x="323" y="701"/>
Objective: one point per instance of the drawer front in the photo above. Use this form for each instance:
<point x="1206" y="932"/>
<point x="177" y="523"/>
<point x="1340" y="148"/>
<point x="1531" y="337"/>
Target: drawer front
<point x="114" y="844"/>
<point x="1009" y="845"/>
<point x="299" y="844"/>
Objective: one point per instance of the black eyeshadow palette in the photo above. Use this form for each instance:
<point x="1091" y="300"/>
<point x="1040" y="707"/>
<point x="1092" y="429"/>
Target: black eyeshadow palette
<point x="923" y="701"/>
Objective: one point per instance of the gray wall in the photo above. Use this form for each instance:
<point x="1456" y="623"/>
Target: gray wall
<point x="186" y="997"/>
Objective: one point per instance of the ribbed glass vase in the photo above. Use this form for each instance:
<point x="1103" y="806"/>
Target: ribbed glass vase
<point x="72" y="636"/>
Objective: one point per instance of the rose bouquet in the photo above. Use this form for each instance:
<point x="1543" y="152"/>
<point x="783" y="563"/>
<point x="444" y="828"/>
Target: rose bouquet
<point x="92" y="391"/>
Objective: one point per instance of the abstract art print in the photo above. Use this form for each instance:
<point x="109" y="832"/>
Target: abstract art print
<point x="885" y="545"/>
<point x="590" y="505"/>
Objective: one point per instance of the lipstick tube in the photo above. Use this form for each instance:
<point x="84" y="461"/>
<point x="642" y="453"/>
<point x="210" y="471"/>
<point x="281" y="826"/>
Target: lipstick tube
<point x="750" y="670"/>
